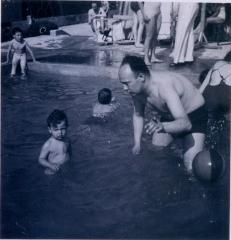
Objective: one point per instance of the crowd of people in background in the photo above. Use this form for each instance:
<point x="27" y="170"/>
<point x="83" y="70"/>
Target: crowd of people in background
<point x="187" y="26"/>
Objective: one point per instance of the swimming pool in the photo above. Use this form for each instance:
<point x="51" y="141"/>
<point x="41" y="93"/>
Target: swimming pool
<point x="104" y="191"/>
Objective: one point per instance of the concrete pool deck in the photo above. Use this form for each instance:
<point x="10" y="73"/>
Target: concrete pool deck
<point x="79" y="37"/>
<point x="84" y="30"/>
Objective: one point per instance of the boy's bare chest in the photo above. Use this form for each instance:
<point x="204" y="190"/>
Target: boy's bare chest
<point x="59" y="147"/>
<point x="17" y="45"/>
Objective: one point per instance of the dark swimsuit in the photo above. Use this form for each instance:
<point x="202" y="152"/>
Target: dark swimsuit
<point x="198" y="119"/>
<point x="218" y="97"/>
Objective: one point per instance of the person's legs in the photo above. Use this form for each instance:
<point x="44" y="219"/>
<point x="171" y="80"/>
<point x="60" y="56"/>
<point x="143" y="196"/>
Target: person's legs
<point x="155" y="36"/>
<point x="193" y="144"/>
<point x="148" y="39"/>
<point x="140" y="29"/>
<point x="186" y="17"/>
<point x="190" y="42"/>
<point x="135" y="26"/>
<point x="23" y="64"/>
<point x="15" y="61"/>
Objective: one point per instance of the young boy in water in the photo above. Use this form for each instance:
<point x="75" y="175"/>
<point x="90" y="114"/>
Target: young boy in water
<point x="18" y="46"/>
<point x="57" y="149"/>
<point x="106" y="104"/>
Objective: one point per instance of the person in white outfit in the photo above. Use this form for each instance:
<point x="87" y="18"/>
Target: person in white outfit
<point x="184" y="39"/>
<point x="18" y="46"/>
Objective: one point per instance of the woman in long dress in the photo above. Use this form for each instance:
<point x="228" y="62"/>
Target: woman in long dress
<point x="184" y="39"/>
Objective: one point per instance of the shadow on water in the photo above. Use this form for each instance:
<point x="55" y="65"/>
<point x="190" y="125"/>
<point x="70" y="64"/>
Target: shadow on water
<point x="104" y="191"/>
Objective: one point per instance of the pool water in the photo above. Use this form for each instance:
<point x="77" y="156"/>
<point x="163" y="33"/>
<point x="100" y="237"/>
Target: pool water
<point x="104" y="191"/>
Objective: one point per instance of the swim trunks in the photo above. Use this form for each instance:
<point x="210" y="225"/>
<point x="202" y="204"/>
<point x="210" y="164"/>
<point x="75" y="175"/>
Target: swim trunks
<point x="135" y="6"/>
<point x="199" y="119"/>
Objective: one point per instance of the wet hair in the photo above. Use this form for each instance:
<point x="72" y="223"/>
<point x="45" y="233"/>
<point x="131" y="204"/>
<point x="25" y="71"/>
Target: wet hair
<point x="16" y="29"/>
<point x="203" y="75"/>
<point x="56" y="117"/>
<point x="104" y="96"/>
<point x="228" y="57"/>
<point x="136" y="64"/>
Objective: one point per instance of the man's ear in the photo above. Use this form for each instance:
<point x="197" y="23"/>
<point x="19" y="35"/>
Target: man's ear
<point x="141" y="77"/>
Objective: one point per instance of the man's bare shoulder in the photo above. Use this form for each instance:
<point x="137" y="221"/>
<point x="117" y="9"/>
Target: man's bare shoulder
<point x="165" y="77"/>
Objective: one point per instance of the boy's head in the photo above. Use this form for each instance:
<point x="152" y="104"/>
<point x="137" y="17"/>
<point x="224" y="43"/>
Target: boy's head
<point x="203" y="75"/>
<point x="57" y="124"/>
<point x="17" y="34"/>
<point x="104" y="96"/>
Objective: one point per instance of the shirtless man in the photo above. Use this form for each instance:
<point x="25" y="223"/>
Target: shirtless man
<point x="57" y="149"/>
<point x="179" y="103"/>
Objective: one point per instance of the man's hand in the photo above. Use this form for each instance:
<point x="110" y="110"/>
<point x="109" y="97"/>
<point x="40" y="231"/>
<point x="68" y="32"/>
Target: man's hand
<point x="154" y="126"/>
<point x="136" y="150"/>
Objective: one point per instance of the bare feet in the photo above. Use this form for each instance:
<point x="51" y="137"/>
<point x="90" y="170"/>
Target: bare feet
<point x="48" y="171"/>
<point x="139" y="45"/>
<point x="147" y="61"/>
<point x="12" y="76"/>
<point x="23" y="77"/>
<point x="156" y="60"/>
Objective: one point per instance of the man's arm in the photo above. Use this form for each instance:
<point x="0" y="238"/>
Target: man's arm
<point x="138" y="123"/>
<point x="181" y="122"/>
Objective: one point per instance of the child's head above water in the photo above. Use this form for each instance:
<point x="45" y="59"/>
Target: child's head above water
<point x="57" y="124"/>
<point x="17" y="34"/>
<point x="105" y="96"/>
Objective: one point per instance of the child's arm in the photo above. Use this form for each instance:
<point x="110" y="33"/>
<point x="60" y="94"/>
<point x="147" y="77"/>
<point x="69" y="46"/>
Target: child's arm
<point x="8" y="53"/>
<point x="30" y="51"/>
<point x="44" y="156"/>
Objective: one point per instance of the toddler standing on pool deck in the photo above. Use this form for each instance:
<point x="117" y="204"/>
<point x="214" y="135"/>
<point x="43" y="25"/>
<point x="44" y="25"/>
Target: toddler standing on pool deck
<point x="57" y="149"/>
<point x="18" y="47"/>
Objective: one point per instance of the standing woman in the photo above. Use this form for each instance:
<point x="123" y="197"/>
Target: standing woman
<point x="216" y="86"/>
<point x="216" y="89"/>
<point x="152" y="17"/>
<point x="184" y="39"/>
<point x="138" y="23"/>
